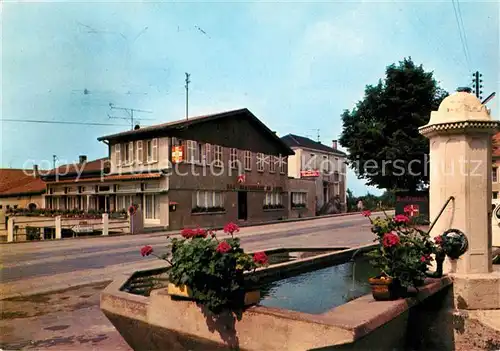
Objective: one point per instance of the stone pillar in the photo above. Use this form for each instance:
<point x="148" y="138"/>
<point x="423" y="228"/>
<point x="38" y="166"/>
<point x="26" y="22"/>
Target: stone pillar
<point x="58" y="227"/>
<point x="105" y="224"/>
<point x="460" y="166"/>
<point x="10" y="230"/>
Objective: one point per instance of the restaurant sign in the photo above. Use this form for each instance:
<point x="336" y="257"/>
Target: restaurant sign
<point x="177" y="154"/>
<point x="304" y="174"/>
<point x="414" y="204"/>
<point x="254" y="187"/>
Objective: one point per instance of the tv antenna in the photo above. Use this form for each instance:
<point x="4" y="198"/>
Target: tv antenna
<point x="130" y="112"/>
<point x="187" y="93"/>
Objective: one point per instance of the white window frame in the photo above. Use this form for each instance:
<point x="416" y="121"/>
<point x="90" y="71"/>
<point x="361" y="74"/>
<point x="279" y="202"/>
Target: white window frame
<point x="494" y="175"/>
<point x="233" y="157"/>
<point x="283" y="165"/>
<point x="155" y="150"/>
<point x="192" y="151"/>
<point x="208" y="199"/>
<point x="205" y="154"/>
<point x="247" y="160"/>
<point x="129" y="153"/>
<point x="149" y="151"/>
<point x="139" y="152"/>
<point x="260" y="162"/>
<point x="118" y="154"/>
<point x="218" y="162"/>
<point x="272" y="163"/>
<point x="299" y="198"/>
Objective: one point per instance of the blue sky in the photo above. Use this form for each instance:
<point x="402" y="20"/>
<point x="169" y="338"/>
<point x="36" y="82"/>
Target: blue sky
<point x="295" y="65"/>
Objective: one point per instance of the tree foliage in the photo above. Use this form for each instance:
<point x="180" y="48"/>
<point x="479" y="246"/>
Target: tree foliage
<point x="381" y="132"/>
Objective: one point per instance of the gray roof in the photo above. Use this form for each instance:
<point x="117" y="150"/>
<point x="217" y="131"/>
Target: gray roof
<point x="293" y="140"/>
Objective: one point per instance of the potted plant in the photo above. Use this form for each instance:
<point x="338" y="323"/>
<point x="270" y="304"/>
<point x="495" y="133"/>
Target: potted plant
<point x="212" y="271"/>
<point x="402" y="256"/>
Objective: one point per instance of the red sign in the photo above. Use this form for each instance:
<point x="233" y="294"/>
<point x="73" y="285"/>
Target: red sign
<point x="241" y="178"/>
<point x="412" y="210"/>
<point x="309" y="173"/>
<point x="177" y="154"/>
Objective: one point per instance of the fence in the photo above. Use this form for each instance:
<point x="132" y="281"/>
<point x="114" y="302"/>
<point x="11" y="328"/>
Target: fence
<point x="22" y="228"/>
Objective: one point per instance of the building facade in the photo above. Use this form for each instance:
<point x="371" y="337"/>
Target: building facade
<point x="202" y="171"/>
<point x="325" y="165"/>
<point x="495" y="186"/>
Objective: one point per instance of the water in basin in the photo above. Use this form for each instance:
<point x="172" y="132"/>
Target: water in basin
<point x="321" y="290"/>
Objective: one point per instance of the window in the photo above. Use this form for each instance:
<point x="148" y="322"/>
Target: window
<point x="336" y="176"/>
<point x="151" y="207"/>
<point x="139" y="155"/>
<point x="205" y="154"/>
<point x="283" y="165"/>
<point x="218" y="156"/>
<point x="494" y="177"/>
<point x="273" y="200"/>
<point x="118" y="157"/>
<point x="129" y="151"/>
<point x="208" y="200"/>
<point x="233" y="158"/>
<point x="272" y="164"/>
<point x="247" y="160"/>
<point x="495" y="194"/>
<point x="149" y="148"/>
<point x="299" y="199"/>
<point x="326" y="165"/>
<point x="1" y="206"/>
<point x="192" y="151"/>
<point x="15" y="206"/>
<point x="260" y="162"/>
<point x="7" y="207"/>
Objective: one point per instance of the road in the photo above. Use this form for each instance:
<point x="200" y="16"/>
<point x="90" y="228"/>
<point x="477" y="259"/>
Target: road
<point x="68" y="276"/>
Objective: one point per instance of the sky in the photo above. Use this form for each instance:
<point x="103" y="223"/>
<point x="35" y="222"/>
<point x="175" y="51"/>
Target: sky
<point x="295" y="65"/>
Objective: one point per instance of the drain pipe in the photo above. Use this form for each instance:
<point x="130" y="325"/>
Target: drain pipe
<point x="451" y="198"/>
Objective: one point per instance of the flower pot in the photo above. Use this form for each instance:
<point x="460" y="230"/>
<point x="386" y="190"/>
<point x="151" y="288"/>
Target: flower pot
<point x="386" y="288"/>
<point x="251" y="297"/>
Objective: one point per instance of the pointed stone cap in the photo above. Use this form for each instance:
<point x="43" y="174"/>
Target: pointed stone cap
<point x="457" y="111"/>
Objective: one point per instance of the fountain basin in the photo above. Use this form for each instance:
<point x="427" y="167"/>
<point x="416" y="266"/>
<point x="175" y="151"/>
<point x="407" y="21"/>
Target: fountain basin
<point x="158" y="322"/>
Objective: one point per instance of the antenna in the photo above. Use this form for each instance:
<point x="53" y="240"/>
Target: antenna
<point x="317" y="135"/>
<point x="130" y="112"/>
<point x="187" y="94"/>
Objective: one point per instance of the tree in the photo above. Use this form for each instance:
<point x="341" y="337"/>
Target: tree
<point x="381" y="132"/>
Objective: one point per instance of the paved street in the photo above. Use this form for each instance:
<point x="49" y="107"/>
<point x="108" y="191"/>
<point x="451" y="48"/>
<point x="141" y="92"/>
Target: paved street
<point x="72" y="320"/>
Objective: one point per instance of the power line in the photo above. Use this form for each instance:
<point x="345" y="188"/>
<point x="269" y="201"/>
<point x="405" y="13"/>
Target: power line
<point x="461" y="29"/>
<point x="60" y="122"/>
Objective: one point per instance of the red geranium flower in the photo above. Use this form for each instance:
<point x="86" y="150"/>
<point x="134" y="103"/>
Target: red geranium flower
<point x="231" y="228"/>
<point x="199" y="233"/>
<point x="187" y="233"/>
<point x="390" y="239"/>
<point x="401" y="219"/>
<point x="223" y="247"/>
<point x="366" y="213"/>
<point x="438" y="240"/>
<point x="260" y="258"/>
<point x="146" y="250"/>
<point x="423" y="259"/>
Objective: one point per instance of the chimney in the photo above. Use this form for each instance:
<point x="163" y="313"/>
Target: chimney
<point x="35" y="171"/>
<point x="82" y="158"/>
<point x="334" y="144"/>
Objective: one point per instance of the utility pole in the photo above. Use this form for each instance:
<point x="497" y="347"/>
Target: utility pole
<point x="54" y="159"/>
<point x="476" y="82"/>
<point x="130" y="112"/>
<point x="187" y="94"/>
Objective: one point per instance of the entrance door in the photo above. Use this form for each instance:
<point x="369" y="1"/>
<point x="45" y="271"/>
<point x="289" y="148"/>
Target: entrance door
<point x="242" y="205"/>
<point x="101" y="204"/>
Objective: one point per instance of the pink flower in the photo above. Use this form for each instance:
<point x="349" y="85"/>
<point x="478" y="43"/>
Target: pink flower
<point x="260" y="258"/>
<point x="438" y="240"/>
<point x="366" y="213"/>
<point x="423" y="259"/>
<point x="390" y="239"/>
<point x="231" y="228"/>
<point x="401" y="219"/>
<point x="146" y="250"/>
<point x="223" y="247"/>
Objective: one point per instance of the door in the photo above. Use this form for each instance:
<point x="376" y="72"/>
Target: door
<point x="242" y="205"/>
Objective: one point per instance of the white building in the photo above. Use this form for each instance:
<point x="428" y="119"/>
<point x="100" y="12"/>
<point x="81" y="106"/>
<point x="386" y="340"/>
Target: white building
<point x="325" y="164"/>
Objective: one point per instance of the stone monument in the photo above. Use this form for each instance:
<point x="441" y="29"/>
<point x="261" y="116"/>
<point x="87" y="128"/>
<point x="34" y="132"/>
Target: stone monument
<point x="460" y="135"/>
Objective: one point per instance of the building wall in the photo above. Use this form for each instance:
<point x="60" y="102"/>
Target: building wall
<point x="306" y="159"/>
<point x="304" y="186"/>
<point x="18" y="202"/>
<point x="495" y="183"/>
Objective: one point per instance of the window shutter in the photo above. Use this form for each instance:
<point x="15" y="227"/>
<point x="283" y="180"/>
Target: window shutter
<point x="130" y="151"/>
<point x="118" y="156"/>
<point x="140" y="154"/>
<point x="155" y="149"/>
